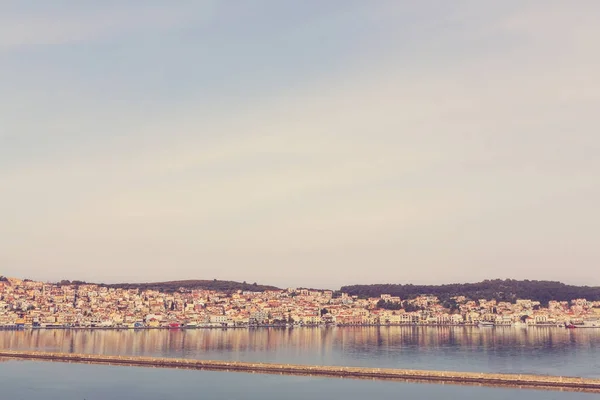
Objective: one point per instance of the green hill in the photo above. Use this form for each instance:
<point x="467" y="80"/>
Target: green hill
<point x="171" y="286"/>
<point x="501" y="290"/>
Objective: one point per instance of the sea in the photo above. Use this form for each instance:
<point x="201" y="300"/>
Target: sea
<point x="535" y="350"/>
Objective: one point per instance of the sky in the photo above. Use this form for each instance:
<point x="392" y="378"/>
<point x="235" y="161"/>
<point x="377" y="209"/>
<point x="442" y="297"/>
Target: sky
<point x="300" y="143"/>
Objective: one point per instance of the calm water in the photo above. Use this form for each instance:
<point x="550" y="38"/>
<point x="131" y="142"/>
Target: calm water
<point x="533" y="350"/>
<point x="56" y="381"/>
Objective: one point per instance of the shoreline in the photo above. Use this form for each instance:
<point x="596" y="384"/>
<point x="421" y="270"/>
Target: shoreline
<point x="464" y="378"/>
<point x="249" y="327"/>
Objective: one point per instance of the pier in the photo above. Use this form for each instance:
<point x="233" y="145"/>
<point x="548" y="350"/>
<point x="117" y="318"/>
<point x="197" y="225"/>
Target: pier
<point x="466" y="378"/>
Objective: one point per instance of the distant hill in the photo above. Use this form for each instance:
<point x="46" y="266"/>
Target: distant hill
<point x="172" y="286"/>
<point x="501" y="290"/>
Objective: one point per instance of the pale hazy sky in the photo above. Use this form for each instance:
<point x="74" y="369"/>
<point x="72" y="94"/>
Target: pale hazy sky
<point x="300" y="143"/>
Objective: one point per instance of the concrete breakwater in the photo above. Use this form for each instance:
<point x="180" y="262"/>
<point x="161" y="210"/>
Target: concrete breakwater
<point x="473" y="378"/>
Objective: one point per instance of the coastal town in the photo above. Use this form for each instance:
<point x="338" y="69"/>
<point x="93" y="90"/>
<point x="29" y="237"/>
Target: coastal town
<point x="27" y="304"/>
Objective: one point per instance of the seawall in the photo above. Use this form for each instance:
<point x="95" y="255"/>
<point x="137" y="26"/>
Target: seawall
<point x="472" y="378"/>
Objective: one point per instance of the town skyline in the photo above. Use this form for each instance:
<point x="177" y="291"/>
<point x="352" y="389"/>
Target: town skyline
<point x="27" y="304"/>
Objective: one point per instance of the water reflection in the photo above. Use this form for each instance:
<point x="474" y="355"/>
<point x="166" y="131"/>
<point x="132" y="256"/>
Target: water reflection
<point x="531" y="350"/>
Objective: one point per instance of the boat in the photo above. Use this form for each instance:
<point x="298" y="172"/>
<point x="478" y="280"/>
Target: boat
<point x="485" y="324"/>
<point x="584" y="324"/>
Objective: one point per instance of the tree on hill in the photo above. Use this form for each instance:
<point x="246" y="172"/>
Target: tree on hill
<point x="388" y="305"/>
<point x="508" y="290"/>
<point x="173" y="286"/>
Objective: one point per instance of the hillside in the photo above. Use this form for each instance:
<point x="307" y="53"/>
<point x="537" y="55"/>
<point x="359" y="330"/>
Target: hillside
<point x="501" y="290"/>
<point x="171" y="286"/>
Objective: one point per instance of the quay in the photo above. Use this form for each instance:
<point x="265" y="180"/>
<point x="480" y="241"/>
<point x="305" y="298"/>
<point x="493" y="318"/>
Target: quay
<point x="467" y="378"/>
